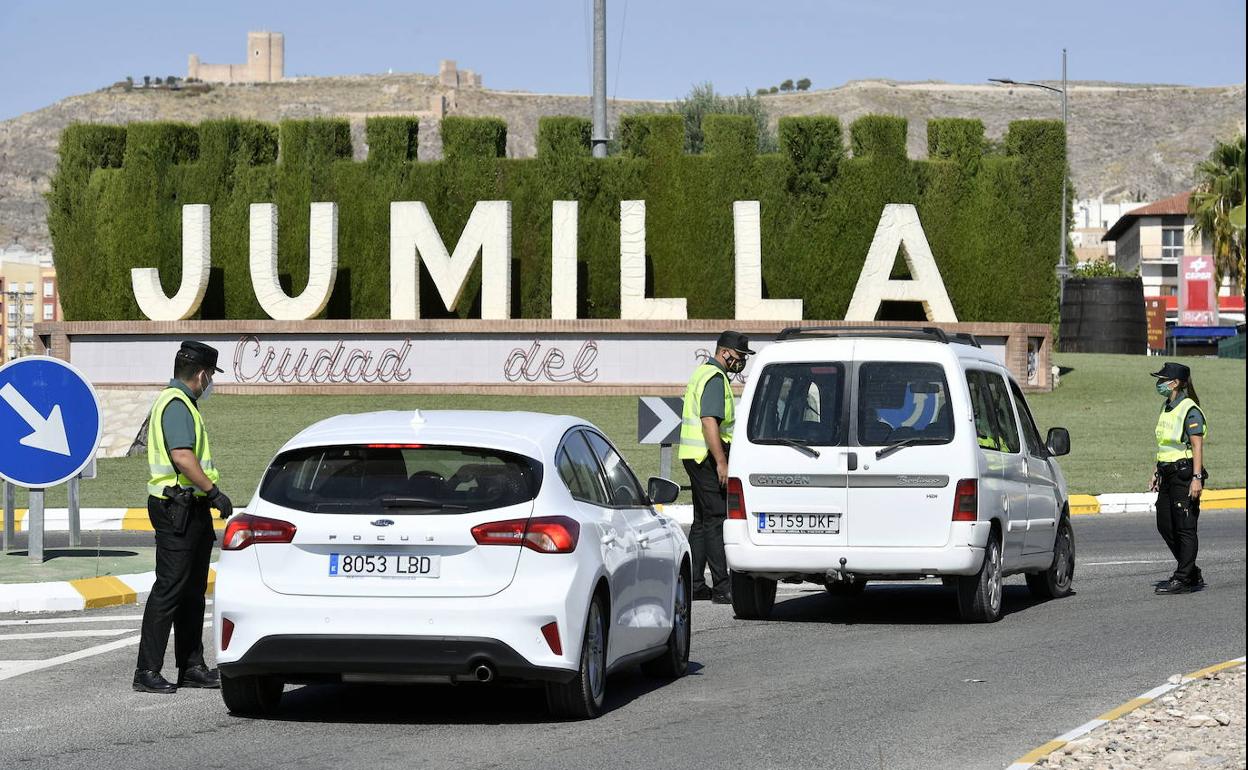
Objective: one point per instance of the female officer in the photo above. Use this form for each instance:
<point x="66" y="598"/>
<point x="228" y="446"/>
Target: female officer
<point x="1181" y="433"/>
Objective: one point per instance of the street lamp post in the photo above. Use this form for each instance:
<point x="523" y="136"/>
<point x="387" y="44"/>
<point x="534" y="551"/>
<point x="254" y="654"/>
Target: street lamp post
<point x="1063" y="267"/>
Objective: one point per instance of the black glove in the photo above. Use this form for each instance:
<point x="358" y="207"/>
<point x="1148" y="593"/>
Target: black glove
<point x="220" y="501"/>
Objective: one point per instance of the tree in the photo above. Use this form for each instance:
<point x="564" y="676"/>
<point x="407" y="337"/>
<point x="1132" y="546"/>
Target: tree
<point x="170" y="80"/>
<point x="147" y="80"/>
<point x="803" y="84"/>
<point x="787" y="85"/>
<point x="761" y="92"/>
<point x="702" y="101"/>
<point x="773" y="90"/>
<point x="1219" y="190"/>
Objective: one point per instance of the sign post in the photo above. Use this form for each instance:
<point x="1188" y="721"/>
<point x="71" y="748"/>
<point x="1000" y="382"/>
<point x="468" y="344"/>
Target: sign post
<point x="50" y="428"/>
<point x="10" y="515"/>
<point x="658" y="422"/>
<point x="1155" y="311"/>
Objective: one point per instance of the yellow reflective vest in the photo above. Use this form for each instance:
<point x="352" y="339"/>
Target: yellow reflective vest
<point x="692" y="442"/>
<point x="1172" y="444"/>
<point x="160" y="465"/>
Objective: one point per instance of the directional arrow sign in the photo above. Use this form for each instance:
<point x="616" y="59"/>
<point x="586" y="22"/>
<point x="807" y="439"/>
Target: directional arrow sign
<point x="658" y="420"/>
<point x="50" y="422"/>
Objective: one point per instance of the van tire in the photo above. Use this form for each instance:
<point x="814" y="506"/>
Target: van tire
<point x="1055" y="582"/>
<point x="752" y="598"/>
<point x="980" y="595"/>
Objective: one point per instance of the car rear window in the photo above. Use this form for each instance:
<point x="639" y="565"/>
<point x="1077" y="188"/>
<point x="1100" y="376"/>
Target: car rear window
<point x="903" y="400"/>
<point x="399" y="478"/>
<point x="799" y="402"/>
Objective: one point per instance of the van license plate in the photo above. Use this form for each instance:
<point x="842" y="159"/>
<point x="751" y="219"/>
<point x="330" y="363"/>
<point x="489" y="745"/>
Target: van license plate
<point x="388" y="565"/>
<point x="800" y="523"/>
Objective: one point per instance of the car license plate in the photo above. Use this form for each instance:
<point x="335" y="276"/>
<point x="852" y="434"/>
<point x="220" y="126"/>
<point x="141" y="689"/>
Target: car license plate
<point x="800" y="523"/>
<point x="388" y="565"/>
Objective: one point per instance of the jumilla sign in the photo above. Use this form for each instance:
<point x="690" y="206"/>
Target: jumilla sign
<point x="414" y="239"/>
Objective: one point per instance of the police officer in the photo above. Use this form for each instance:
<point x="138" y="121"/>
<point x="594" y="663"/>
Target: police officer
<point x="1178" y="480"/>
<point x="181" y="488"/>
<point x="705" y="437"/>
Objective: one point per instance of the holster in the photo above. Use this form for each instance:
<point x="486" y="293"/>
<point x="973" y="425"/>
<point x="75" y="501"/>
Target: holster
<point x="177" y="507"/>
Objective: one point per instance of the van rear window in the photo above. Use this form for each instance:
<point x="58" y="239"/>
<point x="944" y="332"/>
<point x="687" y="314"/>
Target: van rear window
<point x="799" y="402"/>
<point x="399" y="478"/>
<point x="902" y="400"/>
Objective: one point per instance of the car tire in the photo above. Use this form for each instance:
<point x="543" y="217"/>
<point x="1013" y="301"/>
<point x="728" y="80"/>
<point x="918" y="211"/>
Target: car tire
<point x="846" y="589"/>
<point x="980" y="595"/>
<point x="1055" y="582"/>
<point x="251" y="695"/>
<point x="752" y="597"/>
<point x="674" y="662"/>
<point x="583" y="696"/>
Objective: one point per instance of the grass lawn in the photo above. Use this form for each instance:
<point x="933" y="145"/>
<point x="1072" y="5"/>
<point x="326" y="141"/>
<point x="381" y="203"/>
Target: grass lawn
<point x="1107" y="402"/>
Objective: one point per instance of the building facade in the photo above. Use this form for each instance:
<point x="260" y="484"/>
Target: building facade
<point x="265" y="63"/>
<point x="1092" y="219"/>
<point x="1153" y="239"/>
<point x="28" y="295"/>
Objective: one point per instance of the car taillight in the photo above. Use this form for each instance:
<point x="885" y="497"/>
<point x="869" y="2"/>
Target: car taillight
<point x="736" y="499"/>
<point x="227" y="632"/>
<point x="246" y="529"/>
<point x="545" y="534"/>
<point x="551" y="632"/>
<point x="966" y="501"/>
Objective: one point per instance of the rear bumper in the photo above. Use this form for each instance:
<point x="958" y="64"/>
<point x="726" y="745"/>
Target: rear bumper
<point x="963" y="555"/>
<point x="314" y="656"/>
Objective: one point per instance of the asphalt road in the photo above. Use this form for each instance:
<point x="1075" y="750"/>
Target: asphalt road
<point x="888" y="680"/>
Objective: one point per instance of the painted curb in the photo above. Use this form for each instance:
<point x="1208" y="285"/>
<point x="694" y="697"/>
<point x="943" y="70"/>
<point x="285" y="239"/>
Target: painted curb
<point x="84" y="594"/>
<point x="1029" y="759"/>
<point x="96" y="520"/>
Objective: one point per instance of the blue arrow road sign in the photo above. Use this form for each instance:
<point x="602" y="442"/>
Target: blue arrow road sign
<point x="50" y="422"/>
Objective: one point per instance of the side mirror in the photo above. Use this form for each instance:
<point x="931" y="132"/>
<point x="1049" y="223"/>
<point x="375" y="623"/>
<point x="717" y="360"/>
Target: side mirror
<point x="1058" y="442"/>
<point x="662" y="491"/>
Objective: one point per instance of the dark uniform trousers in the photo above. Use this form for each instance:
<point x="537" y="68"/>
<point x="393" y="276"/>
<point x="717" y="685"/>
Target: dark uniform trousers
<point x="1177" y="515"/>
<point x="177" y="597"/>
<point x="706" y="536"/>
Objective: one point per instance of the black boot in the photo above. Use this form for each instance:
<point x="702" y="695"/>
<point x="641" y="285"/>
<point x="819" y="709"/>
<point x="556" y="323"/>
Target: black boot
<point x="199" y="676"/>
<point x="152" y="681"/>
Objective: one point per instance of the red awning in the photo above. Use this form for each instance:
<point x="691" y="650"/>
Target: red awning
<point x="1232" y="304"/>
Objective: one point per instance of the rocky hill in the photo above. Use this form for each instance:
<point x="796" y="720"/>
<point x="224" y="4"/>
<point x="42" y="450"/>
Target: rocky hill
<point x="1142" y="140"/>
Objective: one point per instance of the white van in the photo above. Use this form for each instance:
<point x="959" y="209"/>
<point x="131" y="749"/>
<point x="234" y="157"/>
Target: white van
<point x="886" y="453"/>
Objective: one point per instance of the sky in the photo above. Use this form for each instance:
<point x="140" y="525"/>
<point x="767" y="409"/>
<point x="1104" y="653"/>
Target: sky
<point x="657" y="49"/>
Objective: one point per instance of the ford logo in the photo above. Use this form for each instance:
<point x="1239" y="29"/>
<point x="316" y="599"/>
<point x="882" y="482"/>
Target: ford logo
<point x="382" y="522"/>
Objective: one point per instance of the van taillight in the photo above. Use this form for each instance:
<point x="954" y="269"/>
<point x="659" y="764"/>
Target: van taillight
<point x="736" y="499"/>
<point x="246" y="529"/>
<point x="545" y="534"/>
<point x="966" y="501"/>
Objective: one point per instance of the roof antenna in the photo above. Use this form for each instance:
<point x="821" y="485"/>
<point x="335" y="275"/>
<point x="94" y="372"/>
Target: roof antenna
<point x="417" y="417"/>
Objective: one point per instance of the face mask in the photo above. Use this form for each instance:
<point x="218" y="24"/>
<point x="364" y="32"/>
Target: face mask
<point x="1163" y="388"/>
<point x="736" y="365"/>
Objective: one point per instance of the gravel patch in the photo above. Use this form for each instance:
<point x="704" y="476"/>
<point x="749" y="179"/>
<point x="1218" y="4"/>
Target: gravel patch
<point x="1197" y="726"/>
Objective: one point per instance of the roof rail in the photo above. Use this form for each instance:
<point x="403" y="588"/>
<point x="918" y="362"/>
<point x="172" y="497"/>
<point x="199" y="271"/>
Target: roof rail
<point x="903" y="332"/>
<point x="965" y="338"/>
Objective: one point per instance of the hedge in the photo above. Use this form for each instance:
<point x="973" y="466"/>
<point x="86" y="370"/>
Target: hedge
<point x="992" y="220"/>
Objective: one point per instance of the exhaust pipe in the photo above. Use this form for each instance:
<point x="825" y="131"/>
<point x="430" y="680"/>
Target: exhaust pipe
<point x="484" y="673"/>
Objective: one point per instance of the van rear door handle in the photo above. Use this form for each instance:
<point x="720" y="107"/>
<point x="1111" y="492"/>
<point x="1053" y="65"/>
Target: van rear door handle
<point x="851" y="460"/>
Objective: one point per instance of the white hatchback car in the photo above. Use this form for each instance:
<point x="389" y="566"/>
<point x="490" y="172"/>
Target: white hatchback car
<point x="450" y="546"/>
<point x="892" y="454"/>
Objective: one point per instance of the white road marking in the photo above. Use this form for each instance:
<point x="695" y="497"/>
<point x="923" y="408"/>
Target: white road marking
<point x="59" y="621"/>
<point x="1119" y="563"/>
<point x="70" y="634"/>
<point x="26" y="667"/>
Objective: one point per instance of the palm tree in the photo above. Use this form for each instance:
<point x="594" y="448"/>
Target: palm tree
<point x="1219" y="191"/>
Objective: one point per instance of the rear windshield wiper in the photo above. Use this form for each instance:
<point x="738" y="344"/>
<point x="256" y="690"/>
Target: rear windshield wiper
<point x="888" y="450"/>
<point x="397" y="501"/>
<point x="794" y="443"/>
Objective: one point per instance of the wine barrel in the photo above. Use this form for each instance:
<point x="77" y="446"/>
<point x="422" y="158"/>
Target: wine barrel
<point x="1104" y="315"/>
